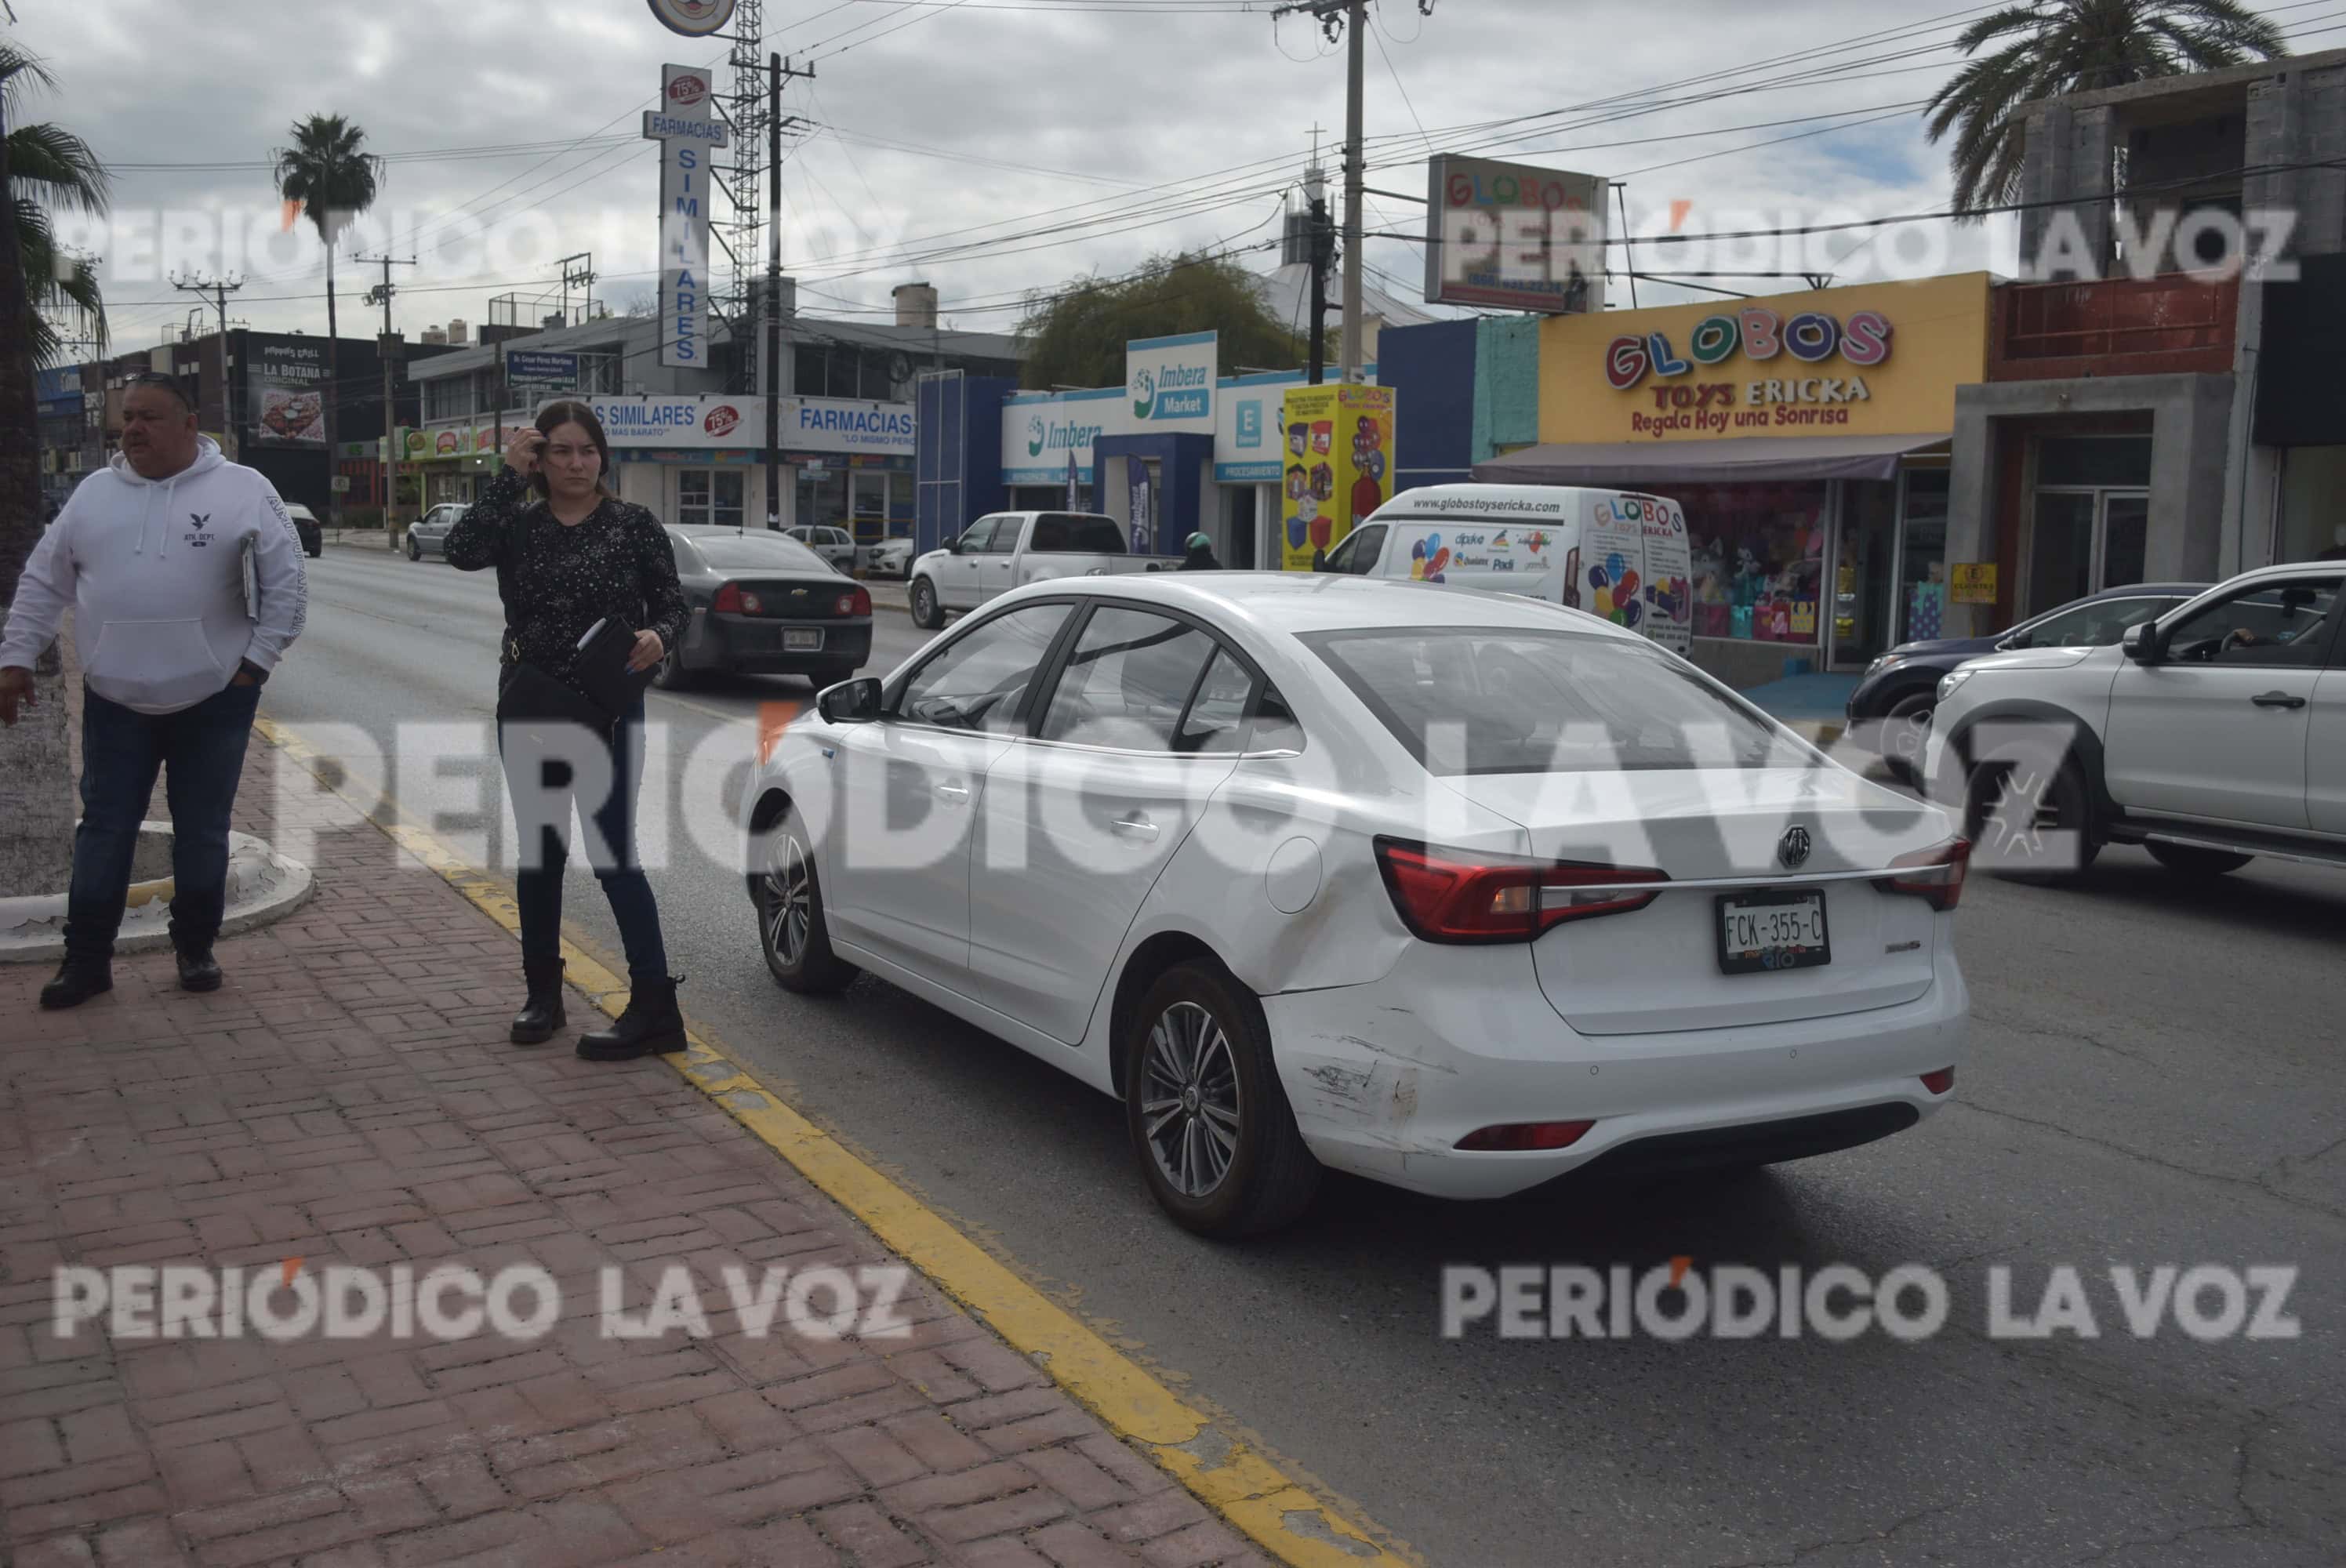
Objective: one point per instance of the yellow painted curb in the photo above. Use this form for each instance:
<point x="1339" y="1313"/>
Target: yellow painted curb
<point x="1279" y="1514"/>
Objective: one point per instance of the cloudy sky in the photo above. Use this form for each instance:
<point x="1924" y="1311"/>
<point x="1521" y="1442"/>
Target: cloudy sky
<point x="987" y="146"/>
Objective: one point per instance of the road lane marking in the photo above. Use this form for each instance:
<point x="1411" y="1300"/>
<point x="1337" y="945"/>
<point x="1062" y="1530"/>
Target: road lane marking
<point x="1289" y="1521"/>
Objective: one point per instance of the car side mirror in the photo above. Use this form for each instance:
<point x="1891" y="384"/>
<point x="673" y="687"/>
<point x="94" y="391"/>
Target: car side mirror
<point x="2141" y="642"/>
<point x="851" y="701"/>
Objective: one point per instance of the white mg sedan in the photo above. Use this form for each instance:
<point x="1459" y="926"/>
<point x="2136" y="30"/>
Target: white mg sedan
<point x="1456" y="891"/>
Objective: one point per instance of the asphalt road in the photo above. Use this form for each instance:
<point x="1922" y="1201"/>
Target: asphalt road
<point x="2158" y="1076"/>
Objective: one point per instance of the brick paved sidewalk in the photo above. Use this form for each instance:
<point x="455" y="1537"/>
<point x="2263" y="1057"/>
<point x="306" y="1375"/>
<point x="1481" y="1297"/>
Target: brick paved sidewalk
<point x="349" y="1097"/>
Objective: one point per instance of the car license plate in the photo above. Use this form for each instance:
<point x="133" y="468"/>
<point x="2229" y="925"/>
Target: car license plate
<point x="1767" y="931"/>
<point x="802" y="642"/>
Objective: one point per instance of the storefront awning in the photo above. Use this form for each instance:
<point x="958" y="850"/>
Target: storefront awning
<point x="1640" y="464"/>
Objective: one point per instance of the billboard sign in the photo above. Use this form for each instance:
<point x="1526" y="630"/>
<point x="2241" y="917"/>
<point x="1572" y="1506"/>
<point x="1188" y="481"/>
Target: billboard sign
<point x="1514" y="237"/>
<point x="685" y="193"/>
<point x="286" y="377"/>
<point x="682" y="422"/>
<point x="540" y="374"/>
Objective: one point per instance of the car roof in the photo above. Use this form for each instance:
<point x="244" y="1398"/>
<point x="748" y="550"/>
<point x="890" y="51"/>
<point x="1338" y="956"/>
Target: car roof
<point x="2148" y="590"/>
<point x="1296" y="601"/>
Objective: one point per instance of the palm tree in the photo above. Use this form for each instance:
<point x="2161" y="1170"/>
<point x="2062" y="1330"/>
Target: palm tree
<point x="51" y="169"/>
<point x="37" y="162"/>
<point x="2072" y="47"/>
<point x="330" y="176"/>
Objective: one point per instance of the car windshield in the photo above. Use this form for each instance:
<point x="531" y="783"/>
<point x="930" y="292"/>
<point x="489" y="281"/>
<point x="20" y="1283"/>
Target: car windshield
<point x="756" y="552"/>
<point x="1469" y="702"/>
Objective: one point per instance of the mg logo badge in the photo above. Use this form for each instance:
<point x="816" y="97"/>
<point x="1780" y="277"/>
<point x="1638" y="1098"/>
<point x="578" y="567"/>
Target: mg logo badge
<point x="1793" y="848"/>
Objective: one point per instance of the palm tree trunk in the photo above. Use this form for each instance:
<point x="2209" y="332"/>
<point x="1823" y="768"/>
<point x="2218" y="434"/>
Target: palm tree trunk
<point x="37" y="827"/>
<point x="334" y="395"/>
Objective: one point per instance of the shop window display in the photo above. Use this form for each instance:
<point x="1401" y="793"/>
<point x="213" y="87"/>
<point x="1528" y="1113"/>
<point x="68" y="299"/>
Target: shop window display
<point x="1758" y="558"/>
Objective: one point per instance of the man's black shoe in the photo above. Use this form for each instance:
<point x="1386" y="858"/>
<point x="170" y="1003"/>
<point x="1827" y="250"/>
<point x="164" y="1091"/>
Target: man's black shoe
<point x="78" y="980"/>
<point x="542" y="1013"/>
<point x="649" y="1025"/>
<point x="200" y="970"/>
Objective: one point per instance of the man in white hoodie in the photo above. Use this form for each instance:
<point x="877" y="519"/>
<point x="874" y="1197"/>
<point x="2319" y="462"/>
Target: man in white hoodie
<point x="150" y="556"/>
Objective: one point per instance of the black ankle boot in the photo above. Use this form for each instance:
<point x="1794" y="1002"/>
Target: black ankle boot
<point x="198" y="970"/>
<point x="541" y="1016"/>
<point x="649" y="1026"/>
<point x="76" y="981"/>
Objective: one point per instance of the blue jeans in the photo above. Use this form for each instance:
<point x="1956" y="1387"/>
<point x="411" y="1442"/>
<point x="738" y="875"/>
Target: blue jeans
<point x="543" y="818"/>
<point x="200" y="750"/>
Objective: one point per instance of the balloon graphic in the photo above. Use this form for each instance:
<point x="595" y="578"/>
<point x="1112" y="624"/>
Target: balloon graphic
<point x="1632" y="613"/>
<point x="1417" y="562"/>
<point x="1615" y="565"/>
<point x="1628" y="586"/>
<point x="1434" y="568"/>
<point x="1604" y="603"/>
<point x="1598" y="578"/>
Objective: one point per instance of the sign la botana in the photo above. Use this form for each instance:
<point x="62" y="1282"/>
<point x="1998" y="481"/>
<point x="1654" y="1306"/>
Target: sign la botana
<point x="687" y="127"/>
<point x="1705" y="391"/>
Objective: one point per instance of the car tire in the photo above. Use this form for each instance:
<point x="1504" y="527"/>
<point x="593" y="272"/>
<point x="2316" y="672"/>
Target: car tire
<point x="927" y="614"/>
<point x="669" y="674"/>
<point x="2190" y="860"/>
<point x="1905" y="729"/>
<point x="415" y="550"/>
<point x="1198" y="1054"/>
<point x="792" y="927"/>
<point x="2010" y="805"/>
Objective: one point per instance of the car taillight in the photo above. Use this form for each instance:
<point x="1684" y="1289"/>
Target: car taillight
<point x="858" y="603"/>
<point x="1934" y="875"/>
<point x="1941" y="1082"/>
<point x="1526" y="1135"/>
<point x="1461" y="896"/>
<point x="733" y="600"/>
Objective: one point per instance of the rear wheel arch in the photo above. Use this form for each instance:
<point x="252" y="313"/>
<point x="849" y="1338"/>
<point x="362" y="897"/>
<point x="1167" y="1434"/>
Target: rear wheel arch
<point x="1149" y="961"/>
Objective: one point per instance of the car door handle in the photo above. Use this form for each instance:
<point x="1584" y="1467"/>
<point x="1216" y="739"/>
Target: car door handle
<point x="1138" y="825"/>
<point x="2277" y="699"/>
<point x="954" y="792"/>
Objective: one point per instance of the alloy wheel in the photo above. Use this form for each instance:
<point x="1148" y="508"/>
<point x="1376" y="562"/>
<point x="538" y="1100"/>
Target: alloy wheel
<point x="1190" y="1100"/>
<point x="789" y="901"/>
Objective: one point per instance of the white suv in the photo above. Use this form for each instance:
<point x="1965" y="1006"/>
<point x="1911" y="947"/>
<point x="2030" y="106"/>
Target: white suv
<point x="2211" y="736"/>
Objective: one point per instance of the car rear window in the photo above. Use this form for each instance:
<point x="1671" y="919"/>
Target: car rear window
<point x="757" y="553"/>
<point x="1071" y="533"/>
<point x="1467" y="702"/>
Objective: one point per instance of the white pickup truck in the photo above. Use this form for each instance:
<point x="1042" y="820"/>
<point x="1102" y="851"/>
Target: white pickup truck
<point x="1006" y="550"/>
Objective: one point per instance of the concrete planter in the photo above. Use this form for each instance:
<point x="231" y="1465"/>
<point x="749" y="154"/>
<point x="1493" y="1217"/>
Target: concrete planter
<point x="264" y="886"/>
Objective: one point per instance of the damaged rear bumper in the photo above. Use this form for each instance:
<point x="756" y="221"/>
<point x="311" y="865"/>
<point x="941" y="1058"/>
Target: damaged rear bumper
<point x="1386" y="1078"/>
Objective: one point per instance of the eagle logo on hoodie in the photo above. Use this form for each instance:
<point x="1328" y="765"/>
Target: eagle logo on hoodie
<point x="200" y="519"/>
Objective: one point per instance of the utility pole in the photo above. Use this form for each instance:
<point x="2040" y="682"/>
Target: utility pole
<point x="220" y="289"/>
<point x="1323" y="239"/>
<point x="387" y="351"/>
<point x="1350" y="18"/>
<point x="771" y="342"/>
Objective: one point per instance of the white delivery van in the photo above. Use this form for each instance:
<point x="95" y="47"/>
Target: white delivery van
<point x="1616" y="554"/>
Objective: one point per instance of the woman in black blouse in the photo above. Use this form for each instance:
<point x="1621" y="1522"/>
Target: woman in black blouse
<point x="569" y="552"/>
